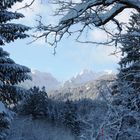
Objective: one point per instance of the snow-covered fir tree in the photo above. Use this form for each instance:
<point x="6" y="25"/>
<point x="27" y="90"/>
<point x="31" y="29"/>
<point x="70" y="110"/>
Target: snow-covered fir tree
<point x="10" y="31"/>
<point x="130" y="62"/>
<point x="35" y="103"/>
<point x="123" y="116"/>
<point x="129" y="73"/>
<point x="10" y="75"/>
<point x="70" y="117"/>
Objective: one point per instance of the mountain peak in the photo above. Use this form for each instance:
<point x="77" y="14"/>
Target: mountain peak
<point x="85" y="71"/>
<point x="42" y="79"/>
<point x="85" y="76"/>
<point x="51" y="83"/>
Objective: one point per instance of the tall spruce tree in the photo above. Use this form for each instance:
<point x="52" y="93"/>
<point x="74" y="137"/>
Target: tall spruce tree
<point x="10" y="31"/>
<point x="70" y="117"/>
<point x="130" y="62"/>
<point x="10" y="73"/>
<point x="129" y="73"/>
<point x="123" y="117"/>
<point x="36" y="103"/>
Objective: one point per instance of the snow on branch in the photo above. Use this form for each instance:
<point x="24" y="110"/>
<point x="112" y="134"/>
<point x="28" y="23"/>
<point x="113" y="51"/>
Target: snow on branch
<point x="27" y="5"/>
<point x="89" y="13"/>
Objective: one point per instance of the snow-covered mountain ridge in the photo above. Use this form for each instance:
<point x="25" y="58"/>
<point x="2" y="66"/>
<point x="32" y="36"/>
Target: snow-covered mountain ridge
<point x="42" y="79"/>
<point x="85" y="76"/>
<point x="51" y="83"/>
<point x="90" y="90"/>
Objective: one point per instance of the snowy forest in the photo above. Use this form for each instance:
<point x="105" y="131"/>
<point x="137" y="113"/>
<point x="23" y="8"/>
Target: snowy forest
<point x="91" y="106"/>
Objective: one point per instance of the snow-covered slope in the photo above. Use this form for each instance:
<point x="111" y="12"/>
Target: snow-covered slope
<point x="89" y="89"/>
<point x="42" y="79"/>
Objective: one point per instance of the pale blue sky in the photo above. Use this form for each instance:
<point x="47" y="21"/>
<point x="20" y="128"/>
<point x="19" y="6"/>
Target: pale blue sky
<point x="71" y="57"/>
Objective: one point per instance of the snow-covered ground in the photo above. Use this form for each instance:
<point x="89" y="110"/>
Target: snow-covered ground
<point x="24" y="128"/>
